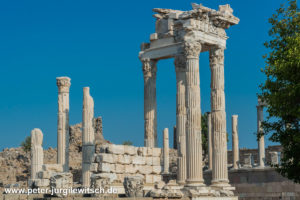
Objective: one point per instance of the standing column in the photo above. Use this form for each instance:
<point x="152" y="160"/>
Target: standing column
<point x="37" y="154"/>
<point x="218" y="118"/>
<point x="193" y="116"/>
<point x="166" y="151"/>
<point x="209" y="141"/>
<point x="150" y="108"/>
<point x="63" y="84"/>
<point x="88" y="136"/>
<point x="261" y="140"/>
<point x="180" y="118"/>
<point x="235" y="142"/>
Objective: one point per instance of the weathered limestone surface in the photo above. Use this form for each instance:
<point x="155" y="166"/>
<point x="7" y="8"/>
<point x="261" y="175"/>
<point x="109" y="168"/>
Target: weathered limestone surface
<point x="119" y="161"/>
<point x="150" y="107"/>
<point x="193" y="119"/>
<point x="235" y="142"/>
<point x="62" y="180"/>
<point x="63" y="84"/>
<point x="88" y="136"/>
<point x="166" y="150"/>
<point x="248" y="161"/>
<point x="218" y="115"/>
<point x="180" y="69"/>
<point x="37" y="154"/>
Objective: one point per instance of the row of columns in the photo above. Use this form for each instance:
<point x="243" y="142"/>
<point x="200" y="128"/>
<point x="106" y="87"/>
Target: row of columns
<point x="188" y="114"/>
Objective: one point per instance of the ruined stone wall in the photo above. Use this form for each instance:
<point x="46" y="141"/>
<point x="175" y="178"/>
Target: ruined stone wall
<point x="119" y="161"/>
<point x="254" y="153"/>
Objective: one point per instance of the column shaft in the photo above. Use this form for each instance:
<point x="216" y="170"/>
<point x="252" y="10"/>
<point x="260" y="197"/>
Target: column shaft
<point x="180" y="118"/>
<point x="37" y="154"/>
<point x="210" y="145"/>
<point x="235" y="142"/>
<point x="166" y="150"/>
<point x="193" y="116"/>
<point x="218" y="117"/>
<point x="261" y="140"/>
<point x="88" y="136"/>
<point x="150" y="107"/>
<point x="63" y="84"/>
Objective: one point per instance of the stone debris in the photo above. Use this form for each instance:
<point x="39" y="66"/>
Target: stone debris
<point x="133" y="186"/>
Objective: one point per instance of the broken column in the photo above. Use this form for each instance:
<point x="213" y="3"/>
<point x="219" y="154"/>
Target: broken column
<point x="37" y="154"/>
<point x="218" y="118"/>
<point x="193" y="115"/>
<point x="166" y="151"/>
<point x="209" y="141"/>
<point x="150" y="107"/>
<point x="261" y="139"/>
<point x="248" y="160"/>
<point x="63" y="84"/>
<point x="235" y="142"/>
<point x="274" y="158"/>
<point x="88" y="136"/>
<point x="180" y="118"/>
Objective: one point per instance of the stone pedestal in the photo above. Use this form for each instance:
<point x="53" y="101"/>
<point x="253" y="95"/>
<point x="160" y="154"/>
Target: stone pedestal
<point x="193" y="115"/>
<point x="37" y="154"/>
<point x="235" y="142"/>
<point x="210" y="145"/>
<point x="180" y="68"/>
<point x="248" y="162"/>
<point x="274" y="158"/>
<point x="150" y="107"/>
<point x="88" y="136"/>
<point x="166" y="151"/>
<point x="218" y="118"/>
<point x="63" y="84"/>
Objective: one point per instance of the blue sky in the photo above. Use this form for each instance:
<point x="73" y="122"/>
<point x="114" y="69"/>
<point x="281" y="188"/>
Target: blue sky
<point x="96" y="44"/>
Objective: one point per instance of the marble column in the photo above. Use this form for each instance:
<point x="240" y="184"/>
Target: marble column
<point x="261" y="140"/>
<point x="166" y="150"/>
<point x="179" y="63"/>
<point x="235" y="142"/>
<point x="193" y="115"/>
<point x="209" y="129"/>
<point x="150" y="107"/>
<point x="88" y="136"/>
<point x="36" y="153"/>
<point x="63" y="84"/>
<point x="218" y="118"/>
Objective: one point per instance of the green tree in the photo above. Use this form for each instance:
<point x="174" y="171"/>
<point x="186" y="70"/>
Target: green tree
<point x="281" y="90"/>
<point x="204" y="134"/>
<point x="129" y="143"/>
<point x="26" y="144"/>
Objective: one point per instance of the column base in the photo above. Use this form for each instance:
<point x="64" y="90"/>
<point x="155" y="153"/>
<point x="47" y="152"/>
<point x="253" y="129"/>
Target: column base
<point x="194" y="183"/>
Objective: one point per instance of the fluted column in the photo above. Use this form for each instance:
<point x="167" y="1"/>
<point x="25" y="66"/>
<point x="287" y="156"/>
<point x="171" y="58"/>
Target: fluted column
<point x="150" y="107"/>
<point x="88" y="136"/>
<point x="193" y="116"/>
<point x="209" y="141"/>
<point x="180" y="67"/>
<point x="166" y="150"/>
<point x="261" y="140"/>
<point x="63" y="84"/>
<point x="218" y="118"/>
<point x="36" y="153"/>
<point x="235" y="142"/>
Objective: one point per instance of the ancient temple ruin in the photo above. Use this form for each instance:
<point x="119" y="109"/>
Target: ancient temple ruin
<point x="150" y="171"/>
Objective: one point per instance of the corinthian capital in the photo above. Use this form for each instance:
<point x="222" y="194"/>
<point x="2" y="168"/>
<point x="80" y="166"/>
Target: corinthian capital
<point x="216" y="55"/>
<point x="63" y="84"/>
<point x="192" y="49"/>
<point x="149" y="67"/>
